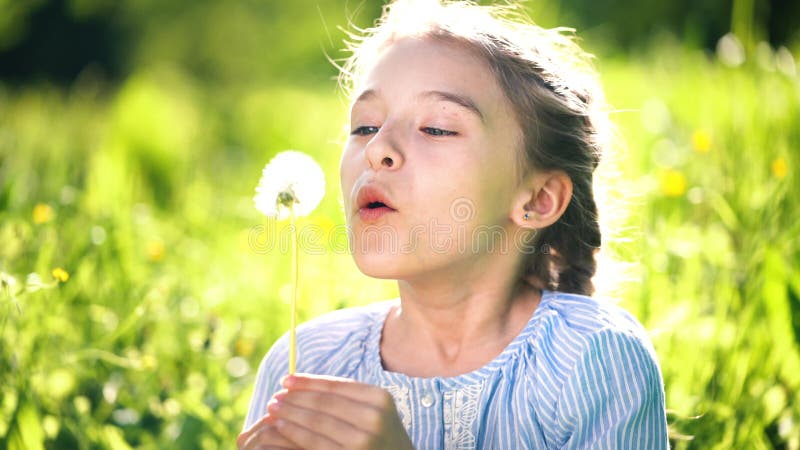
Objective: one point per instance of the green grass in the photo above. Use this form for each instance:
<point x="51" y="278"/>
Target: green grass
<point x="719" y="286"/>
<point x="154" y="339"/>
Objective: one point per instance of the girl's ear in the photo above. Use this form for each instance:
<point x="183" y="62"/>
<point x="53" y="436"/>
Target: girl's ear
<point x="542" y="198"/>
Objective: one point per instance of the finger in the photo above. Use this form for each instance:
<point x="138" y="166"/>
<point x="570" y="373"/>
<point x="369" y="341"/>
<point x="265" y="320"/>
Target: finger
<point x="305" y="437"/>
<point x="263" y="435"/>
<point x="246" y="434"/>
<point x="361" y="392"/>
<point x="268" y="438"/>
<point x="332" y="427"/>
<point x="361" y="416"/>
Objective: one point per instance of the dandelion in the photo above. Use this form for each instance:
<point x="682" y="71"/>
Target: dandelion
<point x="292" y="184"/>
<point x="701" y="141"/>
<point x="42" y="213"/>
<point x="673" y="183"/>
<point x="60" y="274"/>
<point x="779" y="168"/>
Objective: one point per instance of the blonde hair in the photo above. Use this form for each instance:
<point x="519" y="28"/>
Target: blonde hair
<point x="558" y="101"/>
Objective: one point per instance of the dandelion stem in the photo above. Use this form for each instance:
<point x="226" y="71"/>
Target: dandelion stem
<point x="295" y="273"/>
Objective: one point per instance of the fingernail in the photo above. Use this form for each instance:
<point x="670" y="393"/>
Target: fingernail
<point x="273" y="405"/>
<point x="280" y="395"/>
<point x="288" y="381"/>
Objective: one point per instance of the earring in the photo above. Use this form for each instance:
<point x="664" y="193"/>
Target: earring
<point x="526" y="216"/>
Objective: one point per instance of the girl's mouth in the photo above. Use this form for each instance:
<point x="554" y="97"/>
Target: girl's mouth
<point x="374" y="211"/>
<point x="373" y="203"/>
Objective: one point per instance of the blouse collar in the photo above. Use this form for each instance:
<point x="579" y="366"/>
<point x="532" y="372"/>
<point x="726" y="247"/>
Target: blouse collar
<point x="512" y="350"/>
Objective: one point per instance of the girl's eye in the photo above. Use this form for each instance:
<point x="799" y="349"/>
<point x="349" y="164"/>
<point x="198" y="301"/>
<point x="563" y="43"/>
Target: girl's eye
<point x="364" y="131"/>
<point x="438" y="131"/>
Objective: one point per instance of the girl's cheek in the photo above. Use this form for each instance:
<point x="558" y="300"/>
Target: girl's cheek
<point x="347" y="152"/>
<point x="349" y="166"/>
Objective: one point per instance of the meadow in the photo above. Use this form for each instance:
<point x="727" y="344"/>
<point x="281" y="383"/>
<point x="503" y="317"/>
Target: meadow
<point x="135" y="306"/>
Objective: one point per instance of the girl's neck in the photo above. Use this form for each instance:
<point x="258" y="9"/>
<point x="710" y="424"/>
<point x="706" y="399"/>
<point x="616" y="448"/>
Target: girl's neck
<point x="451" y="330"/>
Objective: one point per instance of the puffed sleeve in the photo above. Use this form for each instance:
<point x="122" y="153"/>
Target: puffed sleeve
<point x="614" y="397"/>
<point x="272" y="368"/>
<point x="332" y="344"/>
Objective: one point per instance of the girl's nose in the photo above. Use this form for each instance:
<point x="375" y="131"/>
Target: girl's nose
<point x="383" y="151"/>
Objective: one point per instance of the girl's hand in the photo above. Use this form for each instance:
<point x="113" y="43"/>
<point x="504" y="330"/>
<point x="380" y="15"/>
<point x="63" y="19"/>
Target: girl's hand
<point x="264" y="436"/>
<point x="317" y="412"/>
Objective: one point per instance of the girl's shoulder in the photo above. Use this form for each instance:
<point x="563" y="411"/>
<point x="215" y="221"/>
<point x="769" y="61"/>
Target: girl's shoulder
<point x="582" y="315"/>
<point x="592" y="355"/>
<point x="331" y="343"/>
<point x="573" y="332"/>
<point x="581" y="326"/>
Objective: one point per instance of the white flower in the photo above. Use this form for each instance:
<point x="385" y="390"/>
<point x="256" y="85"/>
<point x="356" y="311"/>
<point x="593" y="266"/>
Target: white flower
<point x="290" y="178"/>
<point x="34" y="282"/>
<point x="8" y="285"/>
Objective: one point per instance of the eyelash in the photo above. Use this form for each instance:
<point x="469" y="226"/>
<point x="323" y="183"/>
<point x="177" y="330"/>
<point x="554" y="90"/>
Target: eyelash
<point x="360" y="131"/>
<point x="365" y="130"/>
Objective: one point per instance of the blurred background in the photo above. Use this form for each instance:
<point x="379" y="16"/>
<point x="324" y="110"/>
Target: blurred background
<point x="134" y="307"/>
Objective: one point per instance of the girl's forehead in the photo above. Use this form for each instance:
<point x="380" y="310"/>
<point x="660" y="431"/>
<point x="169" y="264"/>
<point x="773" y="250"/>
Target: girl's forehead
<point x="425" y="64"/>
<point x="433" y="51"/>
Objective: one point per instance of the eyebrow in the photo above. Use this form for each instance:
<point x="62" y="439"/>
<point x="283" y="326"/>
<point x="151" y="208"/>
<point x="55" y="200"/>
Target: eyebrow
<point x="458" y="99"/>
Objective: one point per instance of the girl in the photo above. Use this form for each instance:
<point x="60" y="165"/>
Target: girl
<point x="467" y="177"/>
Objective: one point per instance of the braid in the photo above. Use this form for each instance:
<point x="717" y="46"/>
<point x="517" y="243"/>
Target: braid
<point x="576" y="240"/>
<point x="566" y="260"/>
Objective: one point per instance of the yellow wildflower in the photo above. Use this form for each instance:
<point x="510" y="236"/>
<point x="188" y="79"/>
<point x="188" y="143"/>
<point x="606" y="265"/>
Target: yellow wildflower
<point x="60" y="274"/>
<point x="149" y="362"/>
<point x="701" y="141"/>
<point x="673" y="183"/>
<point x="779" y="168"/>
<point x="42" y="213"/>
<point x="243" y="347"/>
<point x="155" y="250"/>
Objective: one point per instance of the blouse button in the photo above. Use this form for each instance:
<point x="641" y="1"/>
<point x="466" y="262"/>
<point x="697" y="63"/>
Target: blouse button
<point x="427" y="400"/>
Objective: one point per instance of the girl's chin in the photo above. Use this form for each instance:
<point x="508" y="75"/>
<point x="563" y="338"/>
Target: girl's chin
<point x="380" y="266"/>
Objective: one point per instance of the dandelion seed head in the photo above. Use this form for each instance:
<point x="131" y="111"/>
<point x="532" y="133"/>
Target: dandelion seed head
<point x="291" y="179"/>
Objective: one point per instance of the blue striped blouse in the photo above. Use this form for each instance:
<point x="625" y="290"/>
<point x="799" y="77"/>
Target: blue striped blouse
<point x="581" y="374"/>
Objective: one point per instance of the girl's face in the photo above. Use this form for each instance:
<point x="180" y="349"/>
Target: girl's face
<point x="431" y="129"/>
